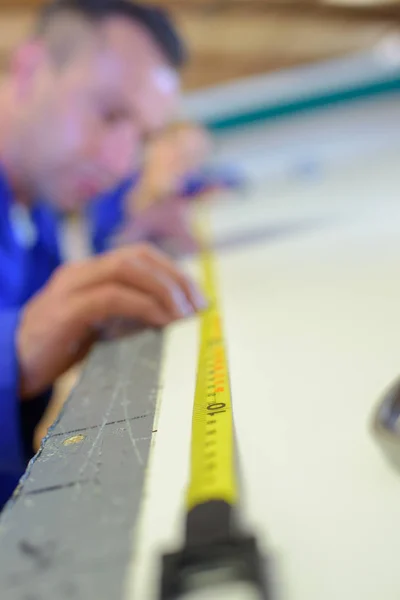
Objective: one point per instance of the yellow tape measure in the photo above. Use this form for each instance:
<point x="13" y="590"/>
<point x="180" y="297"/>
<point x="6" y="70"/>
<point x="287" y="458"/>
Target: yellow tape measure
<point x="212" y="451"/>
<point x="213" y="543"/>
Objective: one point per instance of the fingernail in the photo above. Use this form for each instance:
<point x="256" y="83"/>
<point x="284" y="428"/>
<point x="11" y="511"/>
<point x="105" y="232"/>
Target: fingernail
<point x="184" y="309"/>
<point x="200" y="300"/>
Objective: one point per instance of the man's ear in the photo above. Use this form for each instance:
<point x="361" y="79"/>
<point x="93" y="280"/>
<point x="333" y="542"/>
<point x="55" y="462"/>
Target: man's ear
<point x="25" y="64"/>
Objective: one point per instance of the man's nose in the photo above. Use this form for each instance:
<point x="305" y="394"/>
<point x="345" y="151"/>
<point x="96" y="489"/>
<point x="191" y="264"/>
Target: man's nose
<point x="119" y="152"/>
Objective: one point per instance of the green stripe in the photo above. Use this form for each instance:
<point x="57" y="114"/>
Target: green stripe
<point x="283" y="109"/>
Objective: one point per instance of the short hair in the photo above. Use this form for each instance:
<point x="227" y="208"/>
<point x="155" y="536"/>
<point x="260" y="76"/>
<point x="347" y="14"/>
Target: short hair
<point x="152" y="18"/>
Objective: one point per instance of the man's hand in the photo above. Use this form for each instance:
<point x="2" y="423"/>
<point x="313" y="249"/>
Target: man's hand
<point x="169" y="158"/>
<point x="166" y="224"/>
<point x="61" y="322"/>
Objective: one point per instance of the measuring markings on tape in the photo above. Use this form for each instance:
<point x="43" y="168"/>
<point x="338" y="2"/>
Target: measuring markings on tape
<point x="212" y="465"/>
<point x="215" y="552"/>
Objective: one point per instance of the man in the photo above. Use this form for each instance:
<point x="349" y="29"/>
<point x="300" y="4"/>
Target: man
<point x="97" y="80"/>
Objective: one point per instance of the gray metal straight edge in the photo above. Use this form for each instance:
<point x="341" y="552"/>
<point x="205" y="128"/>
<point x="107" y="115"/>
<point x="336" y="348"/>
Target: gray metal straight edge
<point x="67" y="533"/>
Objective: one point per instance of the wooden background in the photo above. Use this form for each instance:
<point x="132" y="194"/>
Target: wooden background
<point x="235" y="38"/>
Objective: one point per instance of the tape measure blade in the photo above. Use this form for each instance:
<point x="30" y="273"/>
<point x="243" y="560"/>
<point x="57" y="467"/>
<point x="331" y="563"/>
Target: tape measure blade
<point x="212" y="450"/>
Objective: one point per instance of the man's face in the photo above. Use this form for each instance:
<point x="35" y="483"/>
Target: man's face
<point x="83" y="124"/>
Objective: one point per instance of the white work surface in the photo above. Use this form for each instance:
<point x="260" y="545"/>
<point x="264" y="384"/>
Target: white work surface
<point x="312" y="323"/>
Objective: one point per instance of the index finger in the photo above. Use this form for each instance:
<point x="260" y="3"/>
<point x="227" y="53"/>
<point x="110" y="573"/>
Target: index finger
<point x="189" y="287"/>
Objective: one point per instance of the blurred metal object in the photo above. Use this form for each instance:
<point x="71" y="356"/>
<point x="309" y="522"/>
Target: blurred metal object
<point x="386" y="424"/>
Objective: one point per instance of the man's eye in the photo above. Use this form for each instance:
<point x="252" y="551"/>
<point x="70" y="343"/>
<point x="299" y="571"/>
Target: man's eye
<point x="112" y="116"/>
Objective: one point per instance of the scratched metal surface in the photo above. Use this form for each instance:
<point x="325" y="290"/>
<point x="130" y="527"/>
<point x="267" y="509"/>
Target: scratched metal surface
<point x="68" y="533"/>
